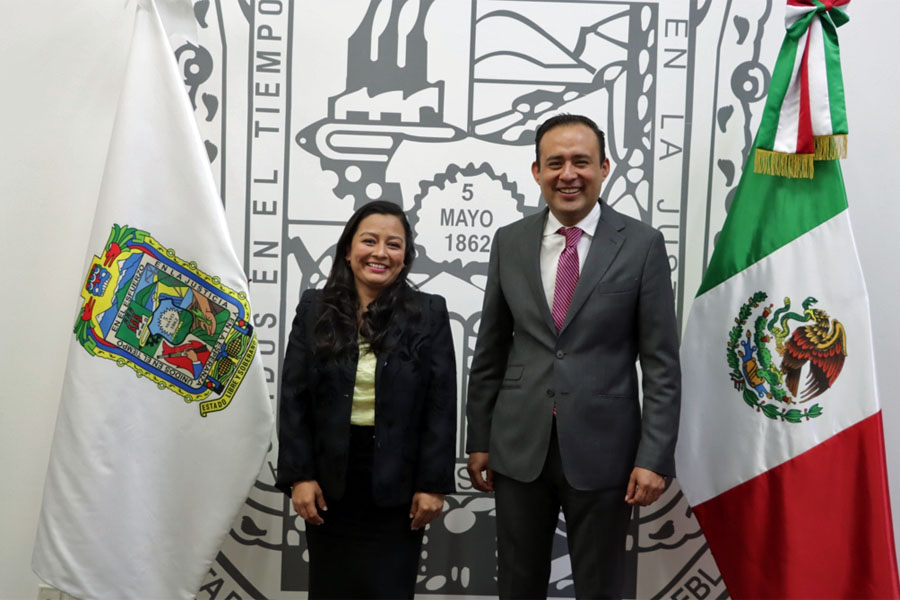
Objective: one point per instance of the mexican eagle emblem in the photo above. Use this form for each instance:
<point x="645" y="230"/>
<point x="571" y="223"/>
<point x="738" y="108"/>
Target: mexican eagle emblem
<point x="806" y="341"/>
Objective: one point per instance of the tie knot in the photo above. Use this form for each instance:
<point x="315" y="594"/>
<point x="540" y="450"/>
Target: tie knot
<point x="573" y="234"/>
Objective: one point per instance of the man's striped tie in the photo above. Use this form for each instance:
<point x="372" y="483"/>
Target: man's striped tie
<point x="566" y="275"/>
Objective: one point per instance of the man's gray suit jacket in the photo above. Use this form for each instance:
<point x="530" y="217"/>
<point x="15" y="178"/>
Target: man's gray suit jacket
<point x="622" y="310"/>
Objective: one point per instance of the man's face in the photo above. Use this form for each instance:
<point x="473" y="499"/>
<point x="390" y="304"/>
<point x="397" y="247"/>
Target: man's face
<point x="570" y="172"/>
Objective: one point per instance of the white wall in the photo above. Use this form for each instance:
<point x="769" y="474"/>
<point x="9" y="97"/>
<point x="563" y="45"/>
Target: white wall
<point x="872" y="178"/>
<point x="60" y="65"/>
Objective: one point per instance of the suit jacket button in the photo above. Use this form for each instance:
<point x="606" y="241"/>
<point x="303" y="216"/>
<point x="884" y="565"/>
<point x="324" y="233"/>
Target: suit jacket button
<point x="560" y="354"/>
<point x="551" y="393"/>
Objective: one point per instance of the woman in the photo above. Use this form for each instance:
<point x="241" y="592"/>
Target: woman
<point x="367" y="419"/>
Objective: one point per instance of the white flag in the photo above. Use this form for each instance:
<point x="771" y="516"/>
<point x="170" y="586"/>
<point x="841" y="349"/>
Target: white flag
<point x="165" y="419"/>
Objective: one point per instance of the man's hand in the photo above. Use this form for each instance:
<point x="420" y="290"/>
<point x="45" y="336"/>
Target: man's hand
<point x="305" y="496"/>
<point x="425" y="507"/>
<point x="478" y="462"/>
<point x="644" y="487"/>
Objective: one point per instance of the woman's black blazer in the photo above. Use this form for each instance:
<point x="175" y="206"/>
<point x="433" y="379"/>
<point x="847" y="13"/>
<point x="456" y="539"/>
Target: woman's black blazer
<point x="415" y="409"/>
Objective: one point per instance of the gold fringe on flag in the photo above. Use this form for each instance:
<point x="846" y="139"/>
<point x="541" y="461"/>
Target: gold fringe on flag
<point x="792" y="166"/>
<point x="800" y="166"/>
<point x="831" y="147"/>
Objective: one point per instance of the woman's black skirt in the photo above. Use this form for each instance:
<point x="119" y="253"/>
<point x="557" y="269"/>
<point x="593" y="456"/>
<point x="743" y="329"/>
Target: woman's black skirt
<point x="362" y="550"/>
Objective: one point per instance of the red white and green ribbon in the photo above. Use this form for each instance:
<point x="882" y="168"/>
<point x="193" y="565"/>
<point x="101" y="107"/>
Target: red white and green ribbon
<point x="805" y="118"/>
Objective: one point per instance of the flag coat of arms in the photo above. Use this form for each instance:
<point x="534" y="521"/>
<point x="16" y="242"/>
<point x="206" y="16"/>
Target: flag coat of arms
<point x="781" y="448"/>
<point x="165" y="418"/>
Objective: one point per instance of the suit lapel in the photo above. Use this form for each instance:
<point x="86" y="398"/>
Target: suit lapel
<point x="534" y="235"/>
<point x="341" y="372"/>
<point x="607" y="242"/>
<point x="380" y="362"/>
<point x="347" y="370"/>
<point x="394" y="335"/>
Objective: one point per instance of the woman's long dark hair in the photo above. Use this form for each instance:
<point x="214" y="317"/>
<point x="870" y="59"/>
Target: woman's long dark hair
<point x="337" y="328"/>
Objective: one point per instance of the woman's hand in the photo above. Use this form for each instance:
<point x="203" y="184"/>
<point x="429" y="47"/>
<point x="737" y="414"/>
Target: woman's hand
<point x="425" y="507"/>
<point x="305" y="496"/>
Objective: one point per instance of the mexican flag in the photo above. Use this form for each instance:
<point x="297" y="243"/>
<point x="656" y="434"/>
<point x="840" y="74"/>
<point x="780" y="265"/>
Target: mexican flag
<point x="165" y="419"/>
<point x="781" y="450"/>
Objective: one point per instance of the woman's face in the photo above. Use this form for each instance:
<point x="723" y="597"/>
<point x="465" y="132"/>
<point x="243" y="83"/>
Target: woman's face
<point x="376" y="254"/>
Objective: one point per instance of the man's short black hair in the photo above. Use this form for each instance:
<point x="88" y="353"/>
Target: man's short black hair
<point x="567" y="119"/>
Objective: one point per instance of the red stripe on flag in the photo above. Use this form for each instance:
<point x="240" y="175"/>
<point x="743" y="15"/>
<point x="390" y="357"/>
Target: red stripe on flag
<point x="827" y="4"/>
<point x="817" y="526"/>
<point x="805" y="142"/>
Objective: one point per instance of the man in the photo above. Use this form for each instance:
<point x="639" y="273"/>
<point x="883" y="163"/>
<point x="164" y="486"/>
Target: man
<point x="575" y="294"/>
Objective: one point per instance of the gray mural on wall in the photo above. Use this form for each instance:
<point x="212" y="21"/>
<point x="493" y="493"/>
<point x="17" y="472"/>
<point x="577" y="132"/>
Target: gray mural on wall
<point x="309" y="111"/>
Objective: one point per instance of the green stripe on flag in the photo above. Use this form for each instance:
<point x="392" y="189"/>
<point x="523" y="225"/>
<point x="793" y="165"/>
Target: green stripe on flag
<point x="778" y="87"/>
<point x="770" y="212"/>
<point x="835" y="79"/>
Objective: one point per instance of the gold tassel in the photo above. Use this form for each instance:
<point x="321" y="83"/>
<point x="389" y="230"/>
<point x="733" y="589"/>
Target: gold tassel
<point x="831" y="147"/>
<point x="797" y="166"/>
<point x="792" y="166"/>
